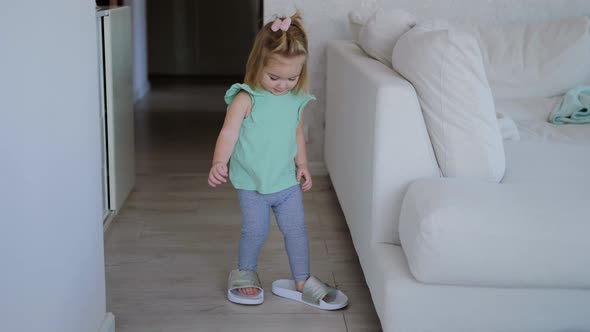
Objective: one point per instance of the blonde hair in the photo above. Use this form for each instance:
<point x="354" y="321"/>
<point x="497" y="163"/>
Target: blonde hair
<point x="290" y="43"/>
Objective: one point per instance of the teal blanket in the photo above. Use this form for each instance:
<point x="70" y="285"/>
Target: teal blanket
<point x="573" y="108"/>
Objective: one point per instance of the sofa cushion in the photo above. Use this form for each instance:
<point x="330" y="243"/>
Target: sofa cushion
<point x="461" y="232"/>
<point x="359" y="16"/>
<point x="446" y="69"/>
<point x="530" y="116"/>
<point x="533" y="59"/>
<point x="382" y="30"/>
<point x="531" y="162"/>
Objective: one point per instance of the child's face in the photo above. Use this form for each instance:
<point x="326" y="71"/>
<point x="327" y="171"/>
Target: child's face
<point x="281" y="74"/>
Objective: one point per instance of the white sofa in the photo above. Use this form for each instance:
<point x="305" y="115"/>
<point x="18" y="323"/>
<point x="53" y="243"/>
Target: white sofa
<point x="476" y="256"/>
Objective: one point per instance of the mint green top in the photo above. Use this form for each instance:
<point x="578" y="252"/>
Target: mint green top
<point x="264" y="156"/>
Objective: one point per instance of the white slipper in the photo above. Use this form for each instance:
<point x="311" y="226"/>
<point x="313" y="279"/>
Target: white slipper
<point x="315" y="293"/>
<point x="244" y="279"/>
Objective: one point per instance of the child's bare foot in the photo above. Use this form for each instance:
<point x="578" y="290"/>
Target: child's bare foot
<point x="299" y="285"/>
<point x="248" y="291"/>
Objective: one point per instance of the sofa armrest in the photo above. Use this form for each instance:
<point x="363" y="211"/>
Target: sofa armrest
<point x="376" y="141"/>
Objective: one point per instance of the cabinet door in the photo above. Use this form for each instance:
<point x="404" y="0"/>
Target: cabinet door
<point x="119" y="104"/>
<point x="103" y="125"/>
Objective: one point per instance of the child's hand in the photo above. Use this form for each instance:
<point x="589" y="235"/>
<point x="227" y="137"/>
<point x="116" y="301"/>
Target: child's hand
<point x="217" y="174"/>
<point x="303" y="172"/>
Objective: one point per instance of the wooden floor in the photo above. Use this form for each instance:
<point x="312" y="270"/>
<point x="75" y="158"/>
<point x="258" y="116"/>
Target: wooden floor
<point x="169" y="251"/>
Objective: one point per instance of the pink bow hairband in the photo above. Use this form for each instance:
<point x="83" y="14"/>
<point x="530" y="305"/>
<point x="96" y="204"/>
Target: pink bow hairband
<point x="281" y="24"/>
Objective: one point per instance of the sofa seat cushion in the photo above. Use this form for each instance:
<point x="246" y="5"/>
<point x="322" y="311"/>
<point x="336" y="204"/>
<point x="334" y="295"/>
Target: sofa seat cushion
<point x="537" y="162"/>
<point x="461" y="232"/>
<point x="530" y="116"/>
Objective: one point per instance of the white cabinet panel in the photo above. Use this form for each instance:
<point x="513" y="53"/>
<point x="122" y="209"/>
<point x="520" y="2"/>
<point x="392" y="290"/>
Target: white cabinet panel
<point x="103" y="125"/>
<point x="118" y="89"/>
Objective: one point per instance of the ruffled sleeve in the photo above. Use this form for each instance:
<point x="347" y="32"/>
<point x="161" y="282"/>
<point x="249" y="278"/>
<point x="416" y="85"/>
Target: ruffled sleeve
<point x="231" y="93"/>
<point x="303" y="100"/>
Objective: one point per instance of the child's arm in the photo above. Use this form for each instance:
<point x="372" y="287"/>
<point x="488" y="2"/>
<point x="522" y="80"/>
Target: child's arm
<point x="237" y="111"/>
<point x="301" y="157"/>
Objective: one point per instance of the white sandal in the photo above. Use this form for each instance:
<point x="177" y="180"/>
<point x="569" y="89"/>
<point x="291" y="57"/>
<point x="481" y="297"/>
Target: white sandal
<point x="315" y="293"/>
<point x="244" y="279"/>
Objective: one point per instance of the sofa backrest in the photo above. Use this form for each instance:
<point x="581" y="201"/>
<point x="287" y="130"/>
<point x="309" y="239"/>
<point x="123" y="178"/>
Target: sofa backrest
<point x="528" y="51"/>
<point x="534" y="59"/>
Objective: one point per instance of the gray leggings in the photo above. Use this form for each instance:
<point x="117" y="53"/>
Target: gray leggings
<point x="287" y="206"/>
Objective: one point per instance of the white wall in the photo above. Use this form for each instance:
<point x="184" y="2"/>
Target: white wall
<point x="327" y="19"/>
<point x="52" y="276"/>
<point x="141" y="85"/>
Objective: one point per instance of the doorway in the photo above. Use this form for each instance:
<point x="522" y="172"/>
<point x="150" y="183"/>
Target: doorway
<point x="200" y="41"/>
<point x="196" y="50"/>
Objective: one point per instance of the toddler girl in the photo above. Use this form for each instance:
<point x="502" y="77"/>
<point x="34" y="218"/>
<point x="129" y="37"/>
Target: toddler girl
<point x="263" y="135"/>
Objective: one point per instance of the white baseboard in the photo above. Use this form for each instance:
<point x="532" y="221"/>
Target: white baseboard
<point x="318" y="168"/>
<point x="107" y="223"/>
<point x="108" y="324"/>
